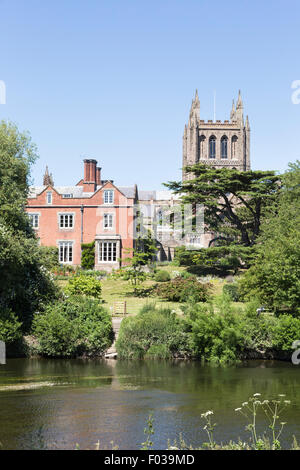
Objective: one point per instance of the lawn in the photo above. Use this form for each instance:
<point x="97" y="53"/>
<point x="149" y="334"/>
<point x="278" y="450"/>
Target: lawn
<point x="120" y="290"/>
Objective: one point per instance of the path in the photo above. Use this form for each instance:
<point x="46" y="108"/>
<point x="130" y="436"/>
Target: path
<point x="111" y="353"/>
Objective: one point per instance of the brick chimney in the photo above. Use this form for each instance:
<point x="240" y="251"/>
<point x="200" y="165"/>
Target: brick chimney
<point x="98" y="176"/>
<point x="89" y="182"/>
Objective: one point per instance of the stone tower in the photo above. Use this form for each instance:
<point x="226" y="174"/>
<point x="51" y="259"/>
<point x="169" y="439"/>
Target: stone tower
<point x="220" y="144"/>
<point x="48" y="179"/>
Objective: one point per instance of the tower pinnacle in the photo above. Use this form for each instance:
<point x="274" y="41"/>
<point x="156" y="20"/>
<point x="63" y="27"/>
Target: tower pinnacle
<point x="48" y="178"/>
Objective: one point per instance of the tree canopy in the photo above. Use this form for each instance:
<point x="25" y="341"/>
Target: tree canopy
<point x="234" y="201"/>
<point x="275" y="276"/>
<point x="24" y="283"/>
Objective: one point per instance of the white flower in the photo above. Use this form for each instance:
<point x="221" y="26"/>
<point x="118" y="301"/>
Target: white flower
<point x="238" y="409"/>
<point x="281" y="395"/>
<point x="245" y="403"/>
<point x="257" y="394"/>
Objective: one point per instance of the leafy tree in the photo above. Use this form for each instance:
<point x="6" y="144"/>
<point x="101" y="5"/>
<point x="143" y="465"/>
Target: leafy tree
<point x="275" y="277"/>
<point x="10" y="327"/>
<point x="137" y="259"/>
<point x="234" y="201"/>
<point x="24" y="283"/>
<point x="49" y="257"/>
<point x="77" y="326"/>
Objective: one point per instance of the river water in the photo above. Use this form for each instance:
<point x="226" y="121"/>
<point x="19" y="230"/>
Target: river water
<point x="58" y="404"/>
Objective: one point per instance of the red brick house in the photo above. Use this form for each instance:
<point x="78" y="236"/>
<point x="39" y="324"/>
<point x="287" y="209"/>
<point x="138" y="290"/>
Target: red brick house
<point x="93" y="210"/>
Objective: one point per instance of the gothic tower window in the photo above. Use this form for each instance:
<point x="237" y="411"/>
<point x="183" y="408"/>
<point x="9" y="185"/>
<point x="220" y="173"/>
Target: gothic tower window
<point x="224" y="147"/>
<point x="212" y="147"/>
<point x="234" y="146"/>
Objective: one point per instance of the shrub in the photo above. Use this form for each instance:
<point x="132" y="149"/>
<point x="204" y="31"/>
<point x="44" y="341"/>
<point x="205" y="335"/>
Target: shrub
<point x="88" y="255"/>
<point x="153" y="333"/>
<point x="162" y="276"/>
<point x="84" y="285"/>
<point x="285" y="332"/>
<point x="226" y="335"/>
<point x="10" y="327"/>
<point x="180" y="290"/>
<point x="232" y="290"/>
<point x="77" y="326"/>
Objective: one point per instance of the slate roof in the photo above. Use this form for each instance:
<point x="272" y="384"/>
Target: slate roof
<point x="77" y="191"/>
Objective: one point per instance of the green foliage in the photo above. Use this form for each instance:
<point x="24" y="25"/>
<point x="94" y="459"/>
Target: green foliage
<point x="183" y="256"/>
<point x="10" y="327"/>
<point x="162" y="276"/>
<point x="232" y="290"/>
<point x="134" y="264"/>
<point x="275" y="277"/>
<point x="84" y="285"/>
<point x="216" y="259"/>
<point x="181" y="290"/>
<point x="49" y="257"/>
<point x="88" y="255"/>
<point x="153" y="333"/>
<point x="235" y="201"/>
<point x="25" y="284"/>
<point x="222" y="334"/>
<point x="285" y="332"/>
<point x="75" y="327"/>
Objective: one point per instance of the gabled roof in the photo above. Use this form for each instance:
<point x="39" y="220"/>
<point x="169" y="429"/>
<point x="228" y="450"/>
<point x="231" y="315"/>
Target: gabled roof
<point x="78" y="191"/>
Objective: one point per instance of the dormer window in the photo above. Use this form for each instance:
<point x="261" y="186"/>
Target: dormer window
<point x="108" y="196"/>
<point x="49" y="197"/>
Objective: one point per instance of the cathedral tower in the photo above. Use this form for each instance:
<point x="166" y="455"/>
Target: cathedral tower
<point x="219" y="144"/>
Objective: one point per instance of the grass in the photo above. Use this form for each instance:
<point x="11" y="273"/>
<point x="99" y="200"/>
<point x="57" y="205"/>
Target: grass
<point x="120" y="290"/>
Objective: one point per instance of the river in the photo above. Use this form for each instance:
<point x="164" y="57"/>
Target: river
<point x="58" y="404"/>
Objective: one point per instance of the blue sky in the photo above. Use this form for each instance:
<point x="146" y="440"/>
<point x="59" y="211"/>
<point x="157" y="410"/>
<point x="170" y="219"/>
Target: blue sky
<point x="114" y="79"/>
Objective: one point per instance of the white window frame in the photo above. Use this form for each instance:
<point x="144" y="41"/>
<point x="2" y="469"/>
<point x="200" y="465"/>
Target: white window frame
<point x="108" y="221"/>
<point x="49" y="197"/>
<point x="65" y="217"/>
<point x="66" y="249"/>
<point x="107" y="251"/>
<point x="36" y="217"/>
<point x="108" y="196"/>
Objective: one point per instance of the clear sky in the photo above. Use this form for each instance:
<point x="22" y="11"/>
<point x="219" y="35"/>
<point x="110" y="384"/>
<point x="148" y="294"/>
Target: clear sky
<point x="114" y="79"/>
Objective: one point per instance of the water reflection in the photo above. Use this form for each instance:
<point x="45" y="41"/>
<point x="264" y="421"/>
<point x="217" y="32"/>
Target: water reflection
<point x="93" y="400"/>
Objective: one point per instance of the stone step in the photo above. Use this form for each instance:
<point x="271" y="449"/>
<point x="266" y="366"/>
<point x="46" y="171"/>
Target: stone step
<point x="111" y="353"/>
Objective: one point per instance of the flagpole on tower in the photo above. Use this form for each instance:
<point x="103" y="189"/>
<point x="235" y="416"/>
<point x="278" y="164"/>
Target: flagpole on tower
<point x="215" y="95"/>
